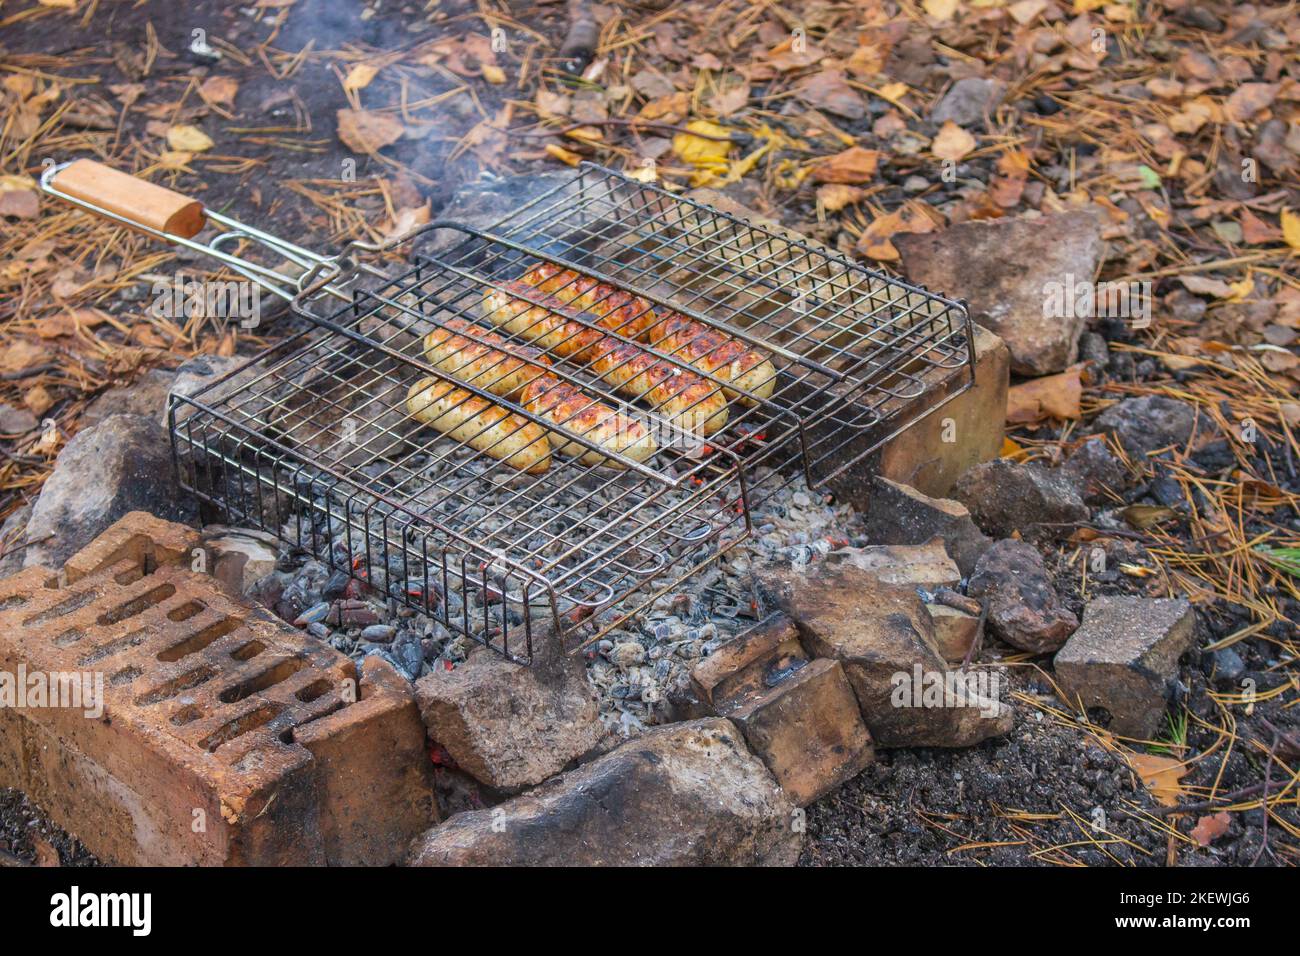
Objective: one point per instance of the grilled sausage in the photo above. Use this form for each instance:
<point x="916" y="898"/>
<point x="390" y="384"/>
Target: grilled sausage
<point x="487" y="427"/>
<point x="689" y="401"/>
<point x="699" y="345"/>
<point x="500" y="367"/>
<point x="709" y="350"/>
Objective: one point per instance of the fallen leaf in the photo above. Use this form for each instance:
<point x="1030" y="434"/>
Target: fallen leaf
<point x="853" y="165"/>
<point x="835" y="196"/>
<point x="941" y="10"/>
<point x="1255" y="231"/>
<point x="38" y="400"/>
<point x="359" y="77"/>
<point x="829" y="90"/>
<point x="1161" y="775"/>
<point x="19" y="203"/>
<point x="188" y="139"/>
<point x="219" y="90"/>
<point x="1248" y="99"/>
<point x="952" y="143"/>
<point x="1142" y="517"/>
<point x="1052" y="396"/>
<point x="563" y="155"/>
<point x="1210" y="827"/>
<point x="875" y="239"/>
<point x="365" y="132"/>
<point x="707" y="153"/>
<point x="1291" y="228"/>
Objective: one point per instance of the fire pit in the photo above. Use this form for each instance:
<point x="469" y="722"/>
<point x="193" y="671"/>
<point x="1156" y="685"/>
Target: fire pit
<point x="487" y="529"/>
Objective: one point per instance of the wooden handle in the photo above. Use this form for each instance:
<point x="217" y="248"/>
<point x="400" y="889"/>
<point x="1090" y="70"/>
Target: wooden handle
<point x="137" y="200"/>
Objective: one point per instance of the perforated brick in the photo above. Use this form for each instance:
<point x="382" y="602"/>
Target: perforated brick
<point x="226" y="736"/>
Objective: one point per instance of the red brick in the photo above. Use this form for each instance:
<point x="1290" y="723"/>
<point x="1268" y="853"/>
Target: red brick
<point x="209" y="706"/>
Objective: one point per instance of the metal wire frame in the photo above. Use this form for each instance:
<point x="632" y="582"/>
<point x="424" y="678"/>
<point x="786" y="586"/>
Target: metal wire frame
<point x="315" y="438"/>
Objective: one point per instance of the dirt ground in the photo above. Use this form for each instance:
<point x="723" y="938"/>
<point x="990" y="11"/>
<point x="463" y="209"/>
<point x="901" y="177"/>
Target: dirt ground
<point x="434" y="105"/>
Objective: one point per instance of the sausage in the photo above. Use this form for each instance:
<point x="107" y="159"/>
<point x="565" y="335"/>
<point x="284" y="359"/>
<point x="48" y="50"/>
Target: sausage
<point x="516" y="371"/>
<point x="500" y="367"/>
<point x="717" y="353"/>
<point x="699" y="345"/>
<point x="483" y="425"/>
<point x="692" y="403"/>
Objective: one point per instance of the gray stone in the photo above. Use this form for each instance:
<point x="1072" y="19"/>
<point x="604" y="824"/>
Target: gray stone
<point x="1005" y="497"/>
<point x="969" y="101"/>
<point x="899" y="514"/>
<point x="689" y="794"/>
<point x="1023" y="607"/>
<point x="146" y="396"/>
<point x="1007" y="270"/>
<point x="197" y="374"/>
<point x="507" y="725"/>
<point x="1124" y="658"/>
<point x="240" y="557"/>
<point x="122" y="464"/>
<point x="1144" y="424"/>
<point x="1095" y="472"/>
<point x="15" y="420"/>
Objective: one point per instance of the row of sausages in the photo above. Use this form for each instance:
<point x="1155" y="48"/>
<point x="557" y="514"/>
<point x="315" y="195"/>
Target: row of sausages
<point x="521" y="374"/>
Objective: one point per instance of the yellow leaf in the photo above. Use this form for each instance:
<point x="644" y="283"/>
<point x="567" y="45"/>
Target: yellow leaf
<point x="188" y="139"/>
<point x="1161" y="775"/>
<point x="940" y="9"/>
<point x="708" y="156"/>
<point x="562" y="154"/>
<point x="1291" y="228"/>
<point x="494" y="74"/>
<point x="359" y="77"/>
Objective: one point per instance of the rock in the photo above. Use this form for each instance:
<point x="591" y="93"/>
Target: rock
<point x="968" y="101"/>
<point x="1098" y="476"/>
<point x="13" y="533"/>
<point x="688" y="794"/>
<point x="1007" y="271"/>
<point x="882" y="635"/>
<point x="1024" y="610"/>
<point x="799" y="715"/>
<point x="122" y="464"/>
<point x="196" y="374"/>
<point x="1124" y="657"/>
<point x="1004" y="497"/>
<point x="507" y="725"/>
<point x="15" y="420"/>
<point x="917" y="565"/>
<point x="146" y="396"/>
<point x="955" y="632"/>
<point x="239" y="557"/>
<point x="899" y="514"/>
<point x="1143" y="425"/>
<point x="1226" y="665"/>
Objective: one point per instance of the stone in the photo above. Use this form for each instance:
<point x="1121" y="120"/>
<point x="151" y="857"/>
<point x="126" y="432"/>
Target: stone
<point x="197" y="374"/>
<point x="749" y="663"/>
<point x="968" y="101"/>
<point x="1097" y="474"/>
<point x="13" y="535"/>
<point x="146" y="396"/>
<point x="1145" y="424"/>
<point x="507" y="725"/>
<point x="955" y="632"/>
<point x="688" y="794"/>
<point x="1005" y="497"/>
<point x="1007" y="271"/>
<point x="899" y="514"/>
<point x="882" y="635"/>
<point x="1024" y="610"/>
<point x="1124" y="658"/>
<point x="239" y="557"/>
<point x="15" y="420"/>
<point x="916" y="565"/>
<point x="122" y="464"/>
<point x="808" y="730"/>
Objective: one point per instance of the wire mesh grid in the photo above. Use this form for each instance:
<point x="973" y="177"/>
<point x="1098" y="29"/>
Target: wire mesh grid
<point x="622" y="363"/>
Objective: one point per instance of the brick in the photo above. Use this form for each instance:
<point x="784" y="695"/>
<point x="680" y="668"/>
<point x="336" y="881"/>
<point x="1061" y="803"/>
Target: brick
<point x="808" y="731"/>
<point x="206" y="707"/>
<point x="1124" y="658"/>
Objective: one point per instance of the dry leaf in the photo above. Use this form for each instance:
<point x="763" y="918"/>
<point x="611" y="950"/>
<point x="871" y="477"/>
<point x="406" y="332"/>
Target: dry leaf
<point x="1052" y="396"/>
<point x="562" y="154"/>
<point x="219" y="90"/>
<point x="1160" y="775"/>
<point x="941" y="10"/>
<point x="494" y="74"/>
<point x="835" y="196"/>
<point x="188" y="139"/>
<point x="953" y="142"/>
<point x="707" y="155"/>
<point x="19" y="203"/>
<point x="1142" y="517"/>
<point x="853" y="165"/>
<point x="1210" y="827"/>
<point x="1291" y="228"/>
<point x="1248" y="99"/>
<point x="365" y="132"/>
<point x="359" y="77"/>
<point x="874" y="241"/>
<point x="829" y="90"/>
